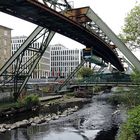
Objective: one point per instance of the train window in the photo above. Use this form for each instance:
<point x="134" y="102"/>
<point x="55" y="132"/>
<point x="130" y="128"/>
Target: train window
<point x="87" y="53"/>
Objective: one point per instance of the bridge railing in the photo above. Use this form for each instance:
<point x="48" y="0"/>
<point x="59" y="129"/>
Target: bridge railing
<point x="105" y="78"/>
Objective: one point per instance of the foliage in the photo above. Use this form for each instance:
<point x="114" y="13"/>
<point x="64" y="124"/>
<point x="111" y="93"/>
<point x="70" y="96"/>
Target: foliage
<point x="70" y="94"/>
<point x="136" y="77"/>
<point x="97" y="88"/>
<point x="125" y="134"/>
<point x="131" y="30"/>
<point x="130" y="98"/>
<point x="127" y="98"/>
<point x="131" y="129"/>
<point x="85" y="72"/>
<point x="30" y="101"/>
<point x="134" y="120"/>
<point x="7" y="105"/>
<point x="45" y="89"/>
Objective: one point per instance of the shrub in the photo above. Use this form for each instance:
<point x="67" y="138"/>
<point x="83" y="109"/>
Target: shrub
<point x="30" y="101"/>
<point x="128" y="98"/>
<point x="131" y="129"/>
<point x="97" y="88"/>
<point x="70" y="94"/>
<point x="133" y="122"/>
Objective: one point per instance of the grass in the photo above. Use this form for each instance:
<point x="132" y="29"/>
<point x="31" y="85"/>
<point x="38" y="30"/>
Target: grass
<point x="130" y="130"/>
<point x="7" y="105"/>
<point x="28" y="102"/>
<point x="128" y="98"/>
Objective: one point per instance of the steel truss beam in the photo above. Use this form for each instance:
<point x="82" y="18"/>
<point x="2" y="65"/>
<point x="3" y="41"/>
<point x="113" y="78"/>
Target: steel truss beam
<point x="17" y="70"/>
<point x="70" y="76"/>
<point x="55" y="21"/>
<point x="98" y="27"/>
<point x="109" y="36"/>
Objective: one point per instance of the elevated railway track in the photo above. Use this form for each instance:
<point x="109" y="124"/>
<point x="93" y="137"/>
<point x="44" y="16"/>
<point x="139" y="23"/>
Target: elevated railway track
<point x="40" y="14"/>
<point x="80" y="24"/>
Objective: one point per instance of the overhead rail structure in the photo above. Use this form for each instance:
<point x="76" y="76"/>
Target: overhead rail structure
<point x="42" y="15"/>
<point x="81" y="25"/>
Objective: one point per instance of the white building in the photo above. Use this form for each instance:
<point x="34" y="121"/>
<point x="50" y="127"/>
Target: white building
<point x="63" y="60"/>
<point x="43" y="68"/>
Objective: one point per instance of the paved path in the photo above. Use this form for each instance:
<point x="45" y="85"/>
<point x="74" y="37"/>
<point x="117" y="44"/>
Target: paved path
<point x="47" y="98"/>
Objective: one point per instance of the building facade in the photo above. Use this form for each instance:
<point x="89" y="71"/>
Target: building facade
<point x="43" y="68"/>
<point x="5" y="44"/>
<point x="63" y="60"/>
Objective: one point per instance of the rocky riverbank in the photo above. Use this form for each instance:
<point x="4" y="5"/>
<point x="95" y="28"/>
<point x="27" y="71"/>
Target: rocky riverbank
<point x="51" y="110"/>
<point x="37" y="120"/>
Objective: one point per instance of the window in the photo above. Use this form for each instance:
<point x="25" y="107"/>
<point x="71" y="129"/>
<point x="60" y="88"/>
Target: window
<point x="5" y="42"/>
<point x="5" y="52"/>
<point x="5" y="32"/>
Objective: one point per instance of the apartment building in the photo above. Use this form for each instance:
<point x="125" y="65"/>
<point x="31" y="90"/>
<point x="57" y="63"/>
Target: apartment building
<point x="63" y="60"/>
<point x="43" y="68"/>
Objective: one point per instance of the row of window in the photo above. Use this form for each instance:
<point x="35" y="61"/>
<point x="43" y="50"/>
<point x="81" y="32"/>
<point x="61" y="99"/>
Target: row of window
<point x="65" y="52"/>
<point x="64" y="64"/>
<point x="57" y="47"/>
<point x="18" y="40"/>
<point x="62" y="69"/>
<point x="65" y="58"/>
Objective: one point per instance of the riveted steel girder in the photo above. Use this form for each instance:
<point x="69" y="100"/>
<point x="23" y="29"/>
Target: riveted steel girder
<point x="35" y="12"/>
<point x="120" y="45"/>
<point x="18" y="70"/>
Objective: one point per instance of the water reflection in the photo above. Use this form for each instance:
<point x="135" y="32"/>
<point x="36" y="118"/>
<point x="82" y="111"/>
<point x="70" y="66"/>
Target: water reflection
<point x="63" y="134"/>
<point x="36" y="133"/>
<point x="92" y="122"/>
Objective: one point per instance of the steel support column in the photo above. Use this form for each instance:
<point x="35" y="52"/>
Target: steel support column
<point x="121" y="46"/>
<point x="70" y="76"/>
<point x="17" y="70"/>
<point x="44" y="47"/>
<point x="21" y="49"/>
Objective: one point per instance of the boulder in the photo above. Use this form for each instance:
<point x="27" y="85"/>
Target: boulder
<point x="2" y="130"/>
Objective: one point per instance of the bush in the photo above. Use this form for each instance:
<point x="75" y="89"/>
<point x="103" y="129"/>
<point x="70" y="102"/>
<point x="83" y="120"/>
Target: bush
<point x="125" y="134"/>
<point x="131" y="129"/>
<point x="128" y="98"/>
<point x="133" y="122"/>
<point x="97" y="88"/>
<point x="30" y="101"/>
<point x="70" y="94"/>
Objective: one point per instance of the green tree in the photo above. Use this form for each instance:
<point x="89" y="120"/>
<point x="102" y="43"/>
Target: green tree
<point x="85" y="72"/>
<point x="131" y="30"/>
<point x="136" y="77"/>
<point x="130" y="130"/>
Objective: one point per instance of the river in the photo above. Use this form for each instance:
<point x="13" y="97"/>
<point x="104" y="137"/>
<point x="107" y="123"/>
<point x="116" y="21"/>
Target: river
<point x="94" y="121"/>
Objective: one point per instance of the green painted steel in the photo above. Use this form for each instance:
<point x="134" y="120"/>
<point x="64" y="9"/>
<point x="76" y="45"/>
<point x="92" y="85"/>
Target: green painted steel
<point x="113" y="37"/>
<point x="90" y="57"/>
<point x="107" y="78"/>
<point x="97" y="60"/>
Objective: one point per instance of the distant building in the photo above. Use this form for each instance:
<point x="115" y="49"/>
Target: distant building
<point x="63" y="60"/>
<point x="5" y="44"/>
<point x="43" y="68"/>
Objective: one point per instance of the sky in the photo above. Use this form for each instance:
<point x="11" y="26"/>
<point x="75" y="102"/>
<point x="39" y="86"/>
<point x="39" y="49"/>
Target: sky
<point x="112" y="12"/>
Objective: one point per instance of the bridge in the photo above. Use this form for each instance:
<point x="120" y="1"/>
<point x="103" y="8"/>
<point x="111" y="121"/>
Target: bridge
<point x="99" y="79"/>
<point x="80" y="24"/>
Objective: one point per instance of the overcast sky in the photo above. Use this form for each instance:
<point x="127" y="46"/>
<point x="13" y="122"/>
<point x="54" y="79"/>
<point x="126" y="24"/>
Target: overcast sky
<point x="112" y="13"/>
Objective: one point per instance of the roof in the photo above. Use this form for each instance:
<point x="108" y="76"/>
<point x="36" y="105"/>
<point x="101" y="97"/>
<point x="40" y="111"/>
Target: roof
<point x="1" y="26"/>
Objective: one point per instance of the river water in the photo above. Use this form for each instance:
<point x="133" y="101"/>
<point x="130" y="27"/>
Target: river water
<point x="94" y="121"/>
